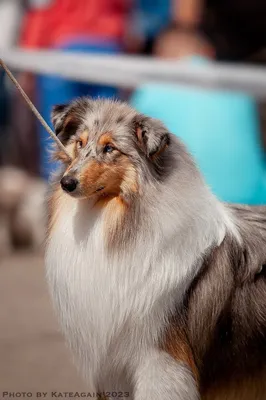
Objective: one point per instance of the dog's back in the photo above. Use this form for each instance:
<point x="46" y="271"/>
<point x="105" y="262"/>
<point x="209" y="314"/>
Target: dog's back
<point x="224" y="322"/>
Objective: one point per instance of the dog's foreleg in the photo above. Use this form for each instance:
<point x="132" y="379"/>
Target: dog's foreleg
<point x="161" y="377"/>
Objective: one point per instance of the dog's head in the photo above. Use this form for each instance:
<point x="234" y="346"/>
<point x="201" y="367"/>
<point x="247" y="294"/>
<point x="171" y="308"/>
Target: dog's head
<point x="114" y="149"/>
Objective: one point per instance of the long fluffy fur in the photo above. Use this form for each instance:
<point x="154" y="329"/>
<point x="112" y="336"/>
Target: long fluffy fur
<point x="123" y="263"/>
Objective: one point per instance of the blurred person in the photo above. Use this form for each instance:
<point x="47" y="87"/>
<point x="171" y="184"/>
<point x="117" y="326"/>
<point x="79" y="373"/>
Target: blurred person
<point x="81" y="26"/>
<point x="9" y="16"/>
<point x="147" y="18"/>
<point x="19" y="145"/>
<point x="225" y="30"/>
<point x="22" y="207"/>
<point x="212" y="123"/>
<point x="228" y="30"/>
<point x="182" y="37"/>
<point x="236" y="29"/>
<point x="24" y="143"/>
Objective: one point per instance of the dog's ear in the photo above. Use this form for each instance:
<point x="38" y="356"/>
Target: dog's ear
<point x="152" y="136"/>
<point x="58" y="115"/>
<point x="64" y="122"/>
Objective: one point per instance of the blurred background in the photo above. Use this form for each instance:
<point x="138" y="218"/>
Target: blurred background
<point x="147" y="52"/>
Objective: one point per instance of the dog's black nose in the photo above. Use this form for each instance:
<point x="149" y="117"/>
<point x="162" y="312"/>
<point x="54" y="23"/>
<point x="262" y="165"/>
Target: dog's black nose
<point x="68" y="183"/>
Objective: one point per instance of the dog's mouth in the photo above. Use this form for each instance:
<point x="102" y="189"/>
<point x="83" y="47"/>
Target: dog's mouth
<point x="99" y="189"/>
<point x="79" y="193"/>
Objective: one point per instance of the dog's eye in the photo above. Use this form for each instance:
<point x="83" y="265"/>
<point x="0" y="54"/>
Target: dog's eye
<point x="108" y="148"/>
<point x="79" y="144"/>
<point x="262" y="270"/>
<point x="261" y="273"/>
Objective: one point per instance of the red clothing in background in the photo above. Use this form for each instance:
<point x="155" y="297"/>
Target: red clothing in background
<point x="62" y="20"/>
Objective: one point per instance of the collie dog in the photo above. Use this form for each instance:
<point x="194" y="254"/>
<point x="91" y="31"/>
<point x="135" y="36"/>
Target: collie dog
<point x="160" y="287"/>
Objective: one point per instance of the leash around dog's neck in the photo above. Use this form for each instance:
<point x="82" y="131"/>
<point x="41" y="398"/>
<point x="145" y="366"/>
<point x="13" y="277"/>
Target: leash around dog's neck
<point x="34" y="110"/>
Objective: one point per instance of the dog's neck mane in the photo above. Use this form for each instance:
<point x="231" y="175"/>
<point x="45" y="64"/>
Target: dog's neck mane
<point x="120" y="229"/>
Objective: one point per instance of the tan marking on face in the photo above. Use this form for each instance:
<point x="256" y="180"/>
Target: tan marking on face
<point x="114" y="178"/>
<point x="72" y="143"/>
<point x="61" y="156"/>
<point x="99" y="175"/>
<point x="106" y="138"/>
<point x="72" y="148"/>
<point x="118" y="214"/>
<point x="119" y="180"/>
<point x="176" y="344"/>
<point x="84" y="137"/>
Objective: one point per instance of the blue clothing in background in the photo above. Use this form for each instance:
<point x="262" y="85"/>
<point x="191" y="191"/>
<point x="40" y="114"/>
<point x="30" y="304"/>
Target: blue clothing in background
<point x="150" y="17"/>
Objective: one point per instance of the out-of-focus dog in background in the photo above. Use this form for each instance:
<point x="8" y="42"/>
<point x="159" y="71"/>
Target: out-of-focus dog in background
<point x="160" y="287"/>
<point x="22" y="211"/>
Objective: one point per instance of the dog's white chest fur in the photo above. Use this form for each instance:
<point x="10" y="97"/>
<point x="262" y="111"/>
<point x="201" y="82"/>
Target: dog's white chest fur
<point x="113" y="307"/>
